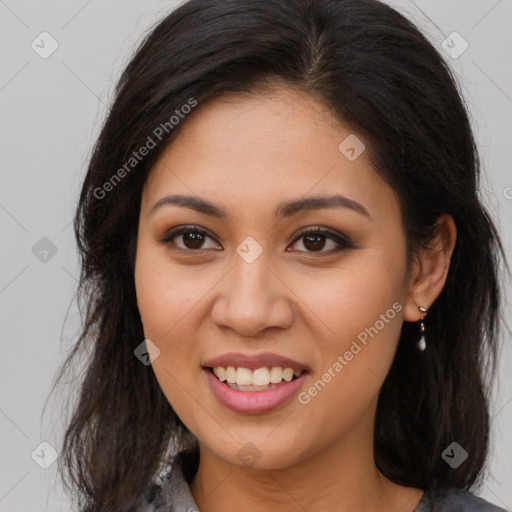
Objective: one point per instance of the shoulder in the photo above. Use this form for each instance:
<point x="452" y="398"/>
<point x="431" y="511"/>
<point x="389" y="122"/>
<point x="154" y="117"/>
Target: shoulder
<point x="454" y="500"/>
<point x="170" y="491"/>
<point x="153" y="494"/>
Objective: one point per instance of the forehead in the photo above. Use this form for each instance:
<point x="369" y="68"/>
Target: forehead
<point x="251" y="151"/>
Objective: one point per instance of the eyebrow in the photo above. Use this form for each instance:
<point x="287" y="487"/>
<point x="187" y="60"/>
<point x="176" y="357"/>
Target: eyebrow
<point x="285" y="209"/>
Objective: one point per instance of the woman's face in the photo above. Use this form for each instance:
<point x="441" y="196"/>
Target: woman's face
<point x="254" y="285"/>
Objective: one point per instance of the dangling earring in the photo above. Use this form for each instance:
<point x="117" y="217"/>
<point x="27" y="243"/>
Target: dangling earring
<point x="422" y="343"/>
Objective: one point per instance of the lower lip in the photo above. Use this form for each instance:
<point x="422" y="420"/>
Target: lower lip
<point x="253" y="402"/>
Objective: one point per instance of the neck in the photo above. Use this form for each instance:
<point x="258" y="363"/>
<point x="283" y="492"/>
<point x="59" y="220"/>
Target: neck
<point x="343" y="476"/>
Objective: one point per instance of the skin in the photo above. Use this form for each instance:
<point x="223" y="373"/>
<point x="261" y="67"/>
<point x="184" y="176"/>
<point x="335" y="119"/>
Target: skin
<point x="247" y="153"/>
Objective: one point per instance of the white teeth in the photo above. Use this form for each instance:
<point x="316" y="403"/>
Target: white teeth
<point x="276" y="374"/>
<point x="244" y="377"/>
<point x="263" y="376"/>
<point x="220" y="373"/>
<point x="288" y="374"/>
<point x="231" y="375"/>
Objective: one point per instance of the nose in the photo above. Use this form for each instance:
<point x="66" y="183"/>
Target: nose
<point x="253" y="298"/>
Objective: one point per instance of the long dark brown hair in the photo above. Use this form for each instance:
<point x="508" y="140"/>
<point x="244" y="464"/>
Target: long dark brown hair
<point x="378" y="74"/>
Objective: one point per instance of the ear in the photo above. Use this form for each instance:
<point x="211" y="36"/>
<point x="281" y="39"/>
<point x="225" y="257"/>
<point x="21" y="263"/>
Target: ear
<point x="430" y="269"/>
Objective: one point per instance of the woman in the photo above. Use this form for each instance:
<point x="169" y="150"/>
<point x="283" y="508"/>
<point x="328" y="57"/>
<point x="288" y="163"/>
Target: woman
<point x="290" y="283"/>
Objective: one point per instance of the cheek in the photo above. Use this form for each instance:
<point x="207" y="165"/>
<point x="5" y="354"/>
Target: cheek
<point x="166" y="299"/>
<point x="355" y="298"/>
<point x="165" y="293"/>
<point x="363" y="310"/>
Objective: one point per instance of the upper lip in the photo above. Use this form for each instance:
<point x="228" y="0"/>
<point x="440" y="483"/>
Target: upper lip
<point x="237" y="359"/>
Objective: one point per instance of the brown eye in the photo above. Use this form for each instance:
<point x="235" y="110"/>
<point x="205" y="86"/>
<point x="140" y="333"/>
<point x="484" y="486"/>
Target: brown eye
<point x="188" y="238"/>
<point x="193" y="239"/>
<point x="315" y="240"/>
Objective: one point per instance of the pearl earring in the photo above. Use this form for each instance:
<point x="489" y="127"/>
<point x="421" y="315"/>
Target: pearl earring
<point x="422" y="343"/>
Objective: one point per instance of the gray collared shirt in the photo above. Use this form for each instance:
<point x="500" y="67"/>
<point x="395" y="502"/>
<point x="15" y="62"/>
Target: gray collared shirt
<point x="171" y="493"/>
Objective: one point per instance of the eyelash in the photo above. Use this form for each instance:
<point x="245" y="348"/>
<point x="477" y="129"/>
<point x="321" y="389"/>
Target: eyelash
<point x="343" y="241"/>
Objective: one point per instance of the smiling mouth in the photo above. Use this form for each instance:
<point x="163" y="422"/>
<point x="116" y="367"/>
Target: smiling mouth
<point x="260" y="379"/>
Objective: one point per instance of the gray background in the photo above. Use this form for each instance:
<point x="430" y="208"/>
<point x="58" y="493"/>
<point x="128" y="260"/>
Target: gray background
<point x="51" y="112"/>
